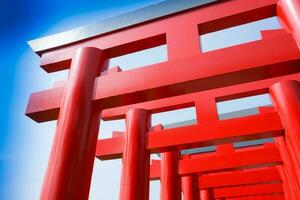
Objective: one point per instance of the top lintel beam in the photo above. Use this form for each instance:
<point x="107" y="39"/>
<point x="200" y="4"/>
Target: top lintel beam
<point x="238" y="63"/>
<point x="118" y="22"/>
<point x="225" y="14"/>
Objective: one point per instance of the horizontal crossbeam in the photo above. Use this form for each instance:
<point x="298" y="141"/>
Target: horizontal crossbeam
<point x="237" y="160"/>
<point x="225" y="131"/>
<point x="248" y="190"/>
<point x="211" y="18"/>
<point x="260" y="197"/>
<point x="235" y="178"/>
<point x="210" y="163"/>
<point x="252" y="61"/>
<point x="182" y="101"/>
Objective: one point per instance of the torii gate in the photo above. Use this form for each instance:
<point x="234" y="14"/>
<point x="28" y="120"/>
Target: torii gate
<point x="267" y="65"/>
<point x="224" y="159"/>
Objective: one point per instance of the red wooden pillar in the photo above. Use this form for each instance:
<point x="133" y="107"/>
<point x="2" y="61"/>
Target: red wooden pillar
<point x="190" y="187"/>
<point x="288" y="12"/>
<point x="206" y="194"/>
<point x="286" y="97"/>
<point x="170" y="180"/>
<point x="71" y="163"/>
<point x="286" y="184"/>
<point x="288" y="171"/>
<point x="286" y="94"/>
<point x="136" y="158"/>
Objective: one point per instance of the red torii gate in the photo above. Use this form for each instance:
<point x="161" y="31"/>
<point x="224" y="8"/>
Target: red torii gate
<point x="267" y="65"/>
<point x="224" y="159"/>
<point x="239" y="174"/>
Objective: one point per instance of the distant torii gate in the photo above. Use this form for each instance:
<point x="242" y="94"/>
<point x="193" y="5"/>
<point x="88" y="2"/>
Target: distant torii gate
<point x="189" y="78"/>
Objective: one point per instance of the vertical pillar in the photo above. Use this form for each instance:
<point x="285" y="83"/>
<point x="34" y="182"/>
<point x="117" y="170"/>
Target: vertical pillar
<point x="136" y="158"/>
<point x="286" y="97"/>
<point x="206" y="194"/>
<point x="288" y="172"/>
<point x="182" y="42"/>
<point x="207" y="112"/>
<point x="288" y="12"/>
<point x="190" y="187"/>
<point x="224" y="149"/>
<point x="286" y="184"/>
<point x="206" y="109"/>
<point x="170" y="180"/>
<point x="71" y="162"/>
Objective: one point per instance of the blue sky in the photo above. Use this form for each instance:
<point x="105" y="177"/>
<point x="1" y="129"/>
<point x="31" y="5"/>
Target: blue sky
<point x="24" y="144"/>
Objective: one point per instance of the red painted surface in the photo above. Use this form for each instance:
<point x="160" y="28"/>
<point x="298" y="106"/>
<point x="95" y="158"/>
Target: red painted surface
<point x="288" y="169"/>
<point x="286" y="184"/>
<point x="198" y="79"/>
<point x="136" y="158"/>
<point x="268" y="59"/>
<point x="286" y="97"/>
<point x="190" y="187"/>
<point x="170" y="180"/>
<point x="216" y="163"/>
<point x="70" y="167"/>
<point x="233" y="161"/>
<point x="260" y="197"/>
<point x="209" y="18"/>
<point x="249" y="190"/>
<point x="206" y="194"/>
<point x="240" y="177"/>
<point x="167" y="171"/>
<point x="288" y="13"/>
<point x="219" y="132"/>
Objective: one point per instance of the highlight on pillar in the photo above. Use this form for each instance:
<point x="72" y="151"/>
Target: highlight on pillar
<point x="250" y="153"/>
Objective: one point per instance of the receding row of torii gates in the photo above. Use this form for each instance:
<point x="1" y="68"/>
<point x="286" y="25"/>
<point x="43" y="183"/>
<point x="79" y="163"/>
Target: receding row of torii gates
<point x="189" y="78"/>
